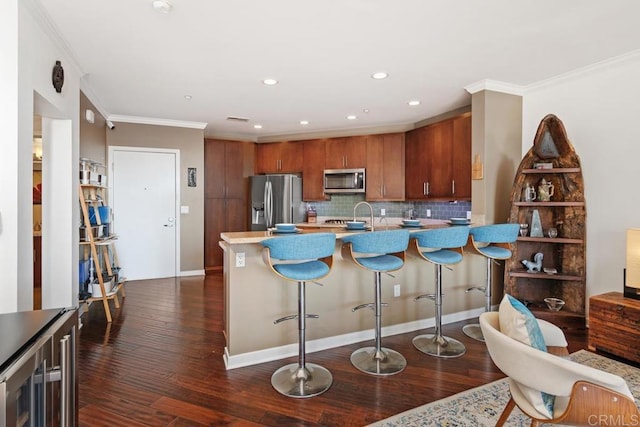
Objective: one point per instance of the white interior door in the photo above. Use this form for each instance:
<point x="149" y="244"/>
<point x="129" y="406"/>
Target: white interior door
<point x="144" y="194"/>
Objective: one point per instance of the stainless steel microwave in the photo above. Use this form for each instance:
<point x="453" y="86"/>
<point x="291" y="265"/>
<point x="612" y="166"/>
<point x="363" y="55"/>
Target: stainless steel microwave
<point x="344" y="181"/>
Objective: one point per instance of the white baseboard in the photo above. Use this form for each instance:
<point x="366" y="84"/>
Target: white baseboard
<point x="192" y="273"/>
<point x="275" y="353"/>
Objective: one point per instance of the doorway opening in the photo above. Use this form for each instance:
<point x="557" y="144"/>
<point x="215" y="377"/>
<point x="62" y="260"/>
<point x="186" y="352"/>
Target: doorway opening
<point x="37" y="212"/>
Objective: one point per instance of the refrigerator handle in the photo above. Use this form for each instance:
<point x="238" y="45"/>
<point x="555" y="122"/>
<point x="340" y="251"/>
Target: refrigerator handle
<point x="268" y="203"/>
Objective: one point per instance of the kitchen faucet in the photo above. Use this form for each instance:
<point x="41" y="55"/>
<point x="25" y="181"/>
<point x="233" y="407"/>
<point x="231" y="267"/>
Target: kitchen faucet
<point x="370" y="208"/>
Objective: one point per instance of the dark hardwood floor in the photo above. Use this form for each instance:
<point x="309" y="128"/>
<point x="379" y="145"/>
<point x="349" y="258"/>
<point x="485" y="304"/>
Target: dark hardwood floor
<point x="160" y="364"/>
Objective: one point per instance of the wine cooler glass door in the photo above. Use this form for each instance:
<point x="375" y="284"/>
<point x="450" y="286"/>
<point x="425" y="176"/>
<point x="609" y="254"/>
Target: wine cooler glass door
<point x="25" y="394"/>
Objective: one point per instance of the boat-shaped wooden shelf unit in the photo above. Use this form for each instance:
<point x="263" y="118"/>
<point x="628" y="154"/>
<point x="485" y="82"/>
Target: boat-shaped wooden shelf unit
<point x="552" y="158"/>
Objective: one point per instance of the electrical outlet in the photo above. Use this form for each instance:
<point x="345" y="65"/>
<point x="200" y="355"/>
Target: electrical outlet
<point x="468" y="214"/>
<point x="382" y="212"/>
<point x="240" y="259"/>
<point x="428" y="213"/>
<point x="396" y="290"/>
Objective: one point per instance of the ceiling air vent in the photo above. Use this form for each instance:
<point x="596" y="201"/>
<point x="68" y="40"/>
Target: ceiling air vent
<point x="237" y="119"/>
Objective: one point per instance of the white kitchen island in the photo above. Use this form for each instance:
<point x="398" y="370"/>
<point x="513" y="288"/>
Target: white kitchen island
<point x="254" y="297"/>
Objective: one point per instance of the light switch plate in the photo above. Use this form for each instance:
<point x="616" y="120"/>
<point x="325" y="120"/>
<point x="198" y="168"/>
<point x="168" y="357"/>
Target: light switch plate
<point x="184" y="209"/>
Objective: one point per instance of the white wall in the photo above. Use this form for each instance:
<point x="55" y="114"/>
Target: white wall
<point x="600" y="108"/>
<point x="30" y="56"/>
<point x="8" y="159"/>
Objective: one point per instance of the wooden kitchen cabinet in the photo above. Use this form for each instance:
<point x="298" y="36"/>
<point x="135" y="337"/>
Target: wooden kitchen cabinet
<point x="415" y="165"/>
<point x="438" y="160"/>
<point x="346" y="153"/>
<point x="385" y="167"/>
<point x="313" y="153"/>
<point x="279" y="157"/>
<point x="225" y="196"/>
<point x="461" y="157"/>
<point x="223" y="176"/>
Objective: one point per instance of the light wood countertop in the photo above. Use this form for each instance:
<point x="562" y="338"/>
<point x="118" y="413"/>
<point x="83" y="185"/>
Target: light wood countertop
<point x="244" y="237"/>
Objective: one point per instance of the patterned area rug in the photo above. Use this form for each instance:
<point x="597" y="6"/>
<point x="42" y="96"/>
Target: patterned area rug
<point x="482" y="406"/>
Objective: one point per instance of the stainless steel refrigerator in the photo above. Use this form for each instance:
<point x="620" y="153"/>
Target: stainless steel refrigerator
<point x="275" y="199"/>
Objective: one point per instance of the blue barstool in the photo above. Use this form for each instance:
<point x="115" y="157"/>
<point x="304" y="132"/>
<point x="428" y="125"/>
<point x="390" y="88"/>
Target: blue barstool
<point x="380" y="252"/>
<point x="314" y="253"/>
<point x="494" y="243"/>
<point x="444" y="248"/>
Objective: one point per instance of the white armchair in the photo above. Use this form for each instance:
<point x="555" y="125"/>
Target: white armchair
<point x="582" y="393"/>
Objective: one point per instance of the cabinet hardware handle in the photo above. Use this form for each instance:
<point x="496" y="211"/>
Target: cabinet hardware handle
<point x="65" y="380"/>
<point x="424" y="188"/>
<point x="453" y="186"/>
<point x="428" y="188"/>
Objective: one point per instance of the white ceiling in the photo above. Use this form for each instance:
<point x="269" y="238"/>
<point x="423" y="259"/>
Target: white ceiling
<point x="139" y="64"/>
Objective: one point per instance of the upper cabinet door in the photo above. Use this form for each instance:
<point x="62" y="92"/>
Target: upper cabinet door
<point x="394" y="166"/>
<point x="313" y="169"/>
<point x="291" y="156"/>
<point x="462" y="156"/>
<point x="438" y="160"/>
<point x="385" y="167"/>
<point x="268" y="158"/>
<point x="214" y="171"/>
<point x="234" y="179"/>
<point x="439" y="146"/>
<point x="346" y="153"/>
<point x="416" y="165"/>
<point x="279" y="157"/>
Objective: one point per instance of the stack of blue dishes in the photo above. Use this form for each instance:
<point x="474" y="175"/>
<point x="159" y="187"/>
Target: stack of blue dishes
<point x="285" y="228"/>
<point x="356" y="225"/>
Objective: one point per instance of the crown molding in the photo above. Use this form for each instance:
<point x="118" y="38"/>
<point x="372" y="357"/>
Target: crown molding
<point x="495" y="86"/>
<point x="44" y="22"/>
<point x="235" y="136"/>
<point x="156" y="122"/>
<point x="596" y="67"/>
<point x="335" y="133"/>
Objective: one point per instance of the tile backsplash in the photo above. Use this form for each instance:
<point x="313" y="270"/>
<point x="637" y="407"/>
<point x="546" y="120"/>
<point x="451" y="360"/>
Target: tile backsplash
<point x="342" y="206"/>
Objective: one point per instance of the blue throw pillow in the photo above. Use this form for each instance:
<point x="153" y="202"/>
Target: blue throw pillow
<point x="517" y="322"/>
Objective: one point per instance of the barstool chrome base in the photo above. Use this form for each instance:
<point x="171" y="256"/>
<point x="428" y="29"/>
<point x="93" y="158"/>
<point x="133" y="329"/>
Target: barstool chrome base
<point x="473" y="331"/>
<point x="439" y="346"/>
<point x="294" y="381"/>
<point x="383" y="362"/>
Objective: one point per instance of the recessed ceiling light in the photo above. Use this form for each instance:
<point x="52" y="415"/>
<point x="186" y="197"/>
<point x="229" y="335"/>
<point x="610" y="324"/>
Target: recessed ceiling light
<point x="270" y="82"/>
<point x="304" y="122"/>
<point x="187" y="97"/>
<point x="162" y="6"/>
<point x="365" y="110"/>
<point x="257" y="126"/>
<point x="379" y="75"/>
<point x="414" y="103"/>
<point x="352" y="117"/>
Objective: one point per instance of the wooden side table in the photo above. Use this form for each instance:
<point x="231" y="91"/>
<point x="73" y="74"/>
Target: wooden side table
<point x="614" y="325"/>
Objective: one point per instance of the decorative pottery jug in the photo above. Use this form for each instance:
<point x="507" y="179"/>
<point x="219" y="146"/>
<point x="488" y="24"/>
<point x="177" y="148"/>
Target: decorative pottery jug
<point x="545" y="190"/>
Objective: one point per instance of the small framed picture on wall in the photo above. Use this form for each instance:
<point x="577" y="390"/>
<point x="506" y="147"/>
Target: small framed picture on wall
<point x="191" y="177"/>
